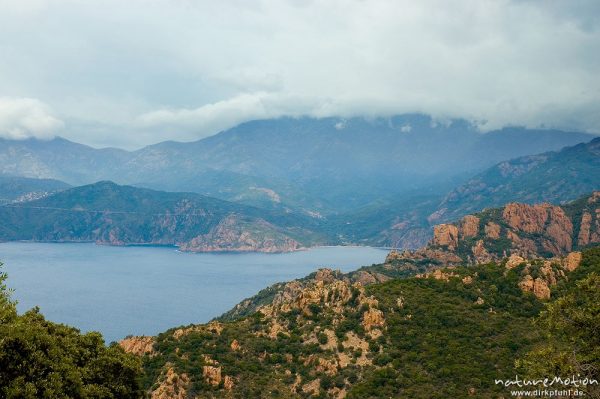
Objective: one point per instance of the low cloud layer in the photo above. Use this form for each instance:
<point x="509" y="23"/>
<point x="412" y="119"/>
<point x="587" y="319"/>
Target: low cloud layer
<point x="22" y="118"/>
<point x="138" y="72"/>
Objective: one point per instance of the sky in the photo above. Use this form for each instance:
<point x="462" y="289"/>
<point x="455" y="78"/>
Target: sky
<point x="131" y="73"/>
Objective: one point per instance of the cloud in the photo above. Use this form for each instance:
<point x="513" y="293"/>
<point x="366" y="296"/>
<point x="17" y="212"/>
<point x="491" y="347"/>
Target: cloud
<point x="211" y="118"/>
<point x="22" y="118"/>
<point x="182" y="69"/>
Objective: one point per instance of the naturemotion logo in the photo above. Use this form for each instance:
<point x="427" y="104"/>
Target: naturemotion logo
<point x="556" y="386"/>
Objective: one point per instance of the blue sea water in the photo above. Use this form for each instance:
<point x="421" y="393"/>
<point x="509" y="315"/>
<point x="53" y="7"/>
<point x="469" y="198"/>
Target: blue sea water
<point x="145" y="290"/>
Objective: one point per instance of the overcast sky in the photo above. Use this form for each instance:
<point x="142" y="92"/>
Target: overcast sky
<point x="130" y="73"/>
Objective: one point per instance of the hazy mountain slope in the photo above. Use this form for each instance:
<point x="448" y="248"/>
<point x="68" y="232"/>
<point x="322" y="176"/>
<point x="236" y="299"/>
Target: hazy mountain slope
<point x="108" y="213"/>
<point x="59" y="159"/>
<point x="350" y="162"/>
<point x="18" y="189"/>
<point x="553" y="176"/>
<point x="407" y="222"/>
<point x="324" y="165"/>
<point x="250" y="190"/>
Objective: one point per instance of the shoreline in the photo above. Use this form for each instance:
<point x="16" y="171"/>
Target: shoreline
<point x="177" y="247"/>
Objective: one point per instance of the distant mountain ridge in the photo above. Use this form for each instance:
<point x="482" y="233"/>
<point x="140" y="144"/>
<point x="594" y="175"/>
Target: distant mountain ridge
<point x="22" y="189"/>
<point x="551" y="177"/>
<point x="555" y="177"/>
<point x="326" y="165"/>
<point x="107" y="213"/>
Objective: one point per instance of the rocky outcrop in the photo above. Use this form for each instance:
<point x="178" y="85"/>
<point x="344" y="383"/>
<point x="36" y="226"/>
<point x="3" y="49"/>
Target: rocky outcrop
<point x="235" y="345"/>
<point x="538" y="286"/>
<point x="585" y="229"/>
<point x="469" y="226"/>
<point x="171" y="386"/>
<point x="445" y="235"/>
<point x="327" y="291"/>
<point x="425" y="256"/>
<point x="235" y="235"/>
<point x="365" y="278"/>
<point x="549" y="273"/>
<point x="492" y="230"/>
<point x="572" y="261"/>
<point x="212" y="375"/>
<point x="514" y="261"/>
<point x="438" y="274"/>
<point x="138" y="345"/>
<point x="480" y="253"/>
<point x="548" y="220"/>
<point x="373" y="318"/>
<point x="526" y="218"/>
<point x="529" y="231"/>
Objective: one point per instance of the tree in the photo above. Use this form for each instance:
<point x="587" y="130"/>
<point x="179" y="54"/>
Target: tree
<point x="572" y="323"/>
<point x="42" y="359"/>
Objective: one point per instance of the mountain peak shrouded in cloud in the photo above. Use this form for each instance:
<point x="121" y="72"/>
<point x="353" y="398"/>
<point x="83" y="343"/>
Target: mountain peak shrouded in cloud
<point x="23" y="118"/>
<point x="135" y="74"/>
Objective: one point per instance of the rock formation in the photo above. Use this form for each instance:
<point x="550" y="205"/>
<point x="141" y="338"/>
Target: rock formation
<point x="171" y="386"/>
<point x="140" y="345"/>
<point x="231" y="234"/>
<point x="541" y="230"/>
<point x="445" y="235"/>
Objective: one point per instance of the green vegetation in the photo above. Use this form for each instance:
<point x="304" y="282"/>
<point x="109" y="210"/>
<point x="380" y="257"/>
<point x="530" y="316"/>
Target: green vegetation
<point x="441" y="338"/>
<point x="41" y="359"/>
<point x="571" y="326"/>
<point x="110" y="213"/>
<point x="442" y="342"/>
<point x="449" y="336"/>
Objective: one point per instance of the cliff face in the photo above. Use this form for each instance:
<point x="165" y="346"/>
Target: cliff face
<point x="541" y="230"/>
<point x="233" y="234"/>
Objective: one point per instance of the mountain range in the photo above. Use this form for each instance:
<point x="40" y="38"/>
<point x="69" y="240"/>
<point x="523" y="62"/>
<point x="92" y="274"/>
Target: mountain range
<point x="323" y="166"/>
<point x="284" y="184"/>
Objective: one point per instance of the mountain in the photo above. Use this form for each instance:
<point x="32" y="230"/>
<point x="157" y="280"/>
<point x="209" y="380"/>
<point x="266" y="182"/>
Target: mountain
<point x="321" y="166"/>
<point x="552" y="177"/>
<point x="20" y="189"/>
<point x="105" y="212"/>
<point x="523" y="230"/>
<point x="407" y="221"/>
<point x="515" y="231"/>
<point x="58" y="159"/>
<point x="450" y="333"/>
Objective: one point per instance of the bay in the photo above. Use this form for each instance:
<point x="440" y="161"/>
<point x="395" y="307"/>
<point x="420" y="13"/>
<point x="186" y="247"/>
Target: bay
<point x="122" y="291"/>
